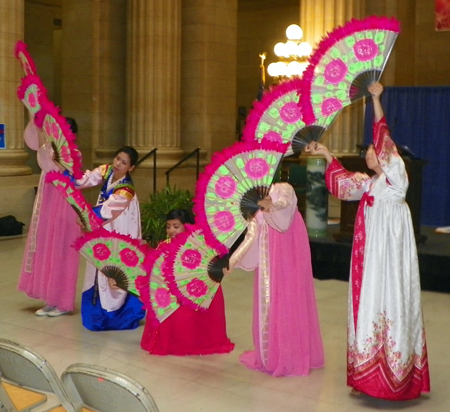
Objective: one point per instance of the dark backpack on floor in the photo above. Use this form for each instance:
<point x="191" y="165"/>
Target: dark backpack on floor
<point x="9" y="226"/>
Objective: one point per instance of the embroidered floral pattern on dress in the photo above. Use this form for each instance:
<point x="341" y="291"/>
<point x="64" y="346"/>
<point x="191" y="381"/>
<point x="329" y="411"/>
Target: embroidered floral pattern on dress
<point x="381" y="346"/>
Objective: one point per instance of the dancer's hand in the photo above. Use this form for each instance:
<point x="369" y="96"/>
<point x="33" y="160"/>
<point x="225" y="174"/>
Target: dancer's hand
<point x="316" y="148"/>
<point x="375" y="89"/>
<point x="112" y="284"/>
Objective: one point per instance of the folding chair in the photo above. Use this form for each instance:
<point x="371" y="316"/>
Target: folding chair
<point x="105" y="390"/>
<point x="28" y="381"/>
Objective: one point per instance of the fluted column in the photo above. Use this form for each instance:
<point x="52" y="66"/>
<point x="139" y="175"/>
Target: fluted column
<point x="153" y="78"/>
<point x="317" y="18"/>
<point x="93" y="75"/>
<point x="13" y="155"/>
<point x="209" y="74"/>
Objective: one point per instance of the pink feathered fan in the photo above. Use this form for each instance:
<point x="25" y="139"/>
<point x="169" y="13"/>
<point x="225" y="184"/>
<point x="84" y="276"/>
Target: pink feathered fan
<point x="153" y="288"/>
<point x="278" y="117"/>
<point x="117" y="256"/>
<point x="31" y="92"/>
<point x="345" y="63"/>
<point x="24" y="58"/>
<point x="63" y="184"/>
<point x="228" y="191"/>
<point x="193" y="269"/>
<point x="57" y="132"/>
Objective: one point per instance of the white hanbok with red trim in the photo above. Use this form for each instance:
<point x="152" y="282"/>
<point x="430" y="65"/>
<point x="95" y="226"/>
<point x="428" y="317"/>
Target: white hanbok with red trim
<point x="386" y="353"/>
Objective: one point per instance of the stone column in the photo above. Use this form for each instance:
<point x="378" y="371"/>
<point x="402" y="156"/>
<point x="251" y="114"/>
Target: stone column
<point x="12" y="155"/>
<point x="317" y="18"/>
<point x="208" y="86"/>
<point x="93" y="75"/>
<point x="153" y="79"/>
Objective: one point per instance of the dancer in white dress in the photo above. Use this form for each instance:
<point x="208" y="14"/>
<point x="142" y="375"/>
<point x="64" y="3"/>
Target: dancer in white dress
<point x="386" y="353"/>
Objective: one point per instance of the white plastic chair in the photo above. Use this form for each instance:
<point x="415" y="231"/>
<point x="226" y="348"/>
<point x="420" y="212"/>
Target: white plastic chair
<point x="105" y="390"/>
<point x="22" y="370"/>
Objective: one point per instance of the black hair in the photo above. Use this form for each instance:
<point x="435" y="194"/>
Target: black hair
<point x="73" y="124"/>
<point x="131" y="152"/>
<point x="182" y="215"/>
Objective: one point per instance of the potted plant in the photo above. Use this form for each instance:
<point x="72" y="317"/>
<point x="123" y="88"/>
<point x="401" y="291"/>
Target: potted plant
<point x="154" y="211"/>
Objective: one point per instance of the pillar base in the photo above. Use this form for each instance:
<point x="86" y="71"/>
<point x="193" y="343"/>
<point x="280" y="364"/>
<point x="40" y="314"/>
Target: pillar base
<point x="12" y="163"/>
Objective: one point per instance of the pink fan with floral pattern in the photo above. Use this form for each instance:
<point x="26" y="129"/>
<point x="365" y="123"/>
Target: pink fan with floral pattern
<point x="117" y="256"/>
<point x="75" y="198"/>
<point x="345" y="63"/>
<point x="153" y="288"/>
<point x="228" y="191"/>
<point x="24" y="58"/>
<point x="194" y="268"/>
<point x="31" y="92"/>
<point x="57" y="131"/>
<point x="278" y="117"/>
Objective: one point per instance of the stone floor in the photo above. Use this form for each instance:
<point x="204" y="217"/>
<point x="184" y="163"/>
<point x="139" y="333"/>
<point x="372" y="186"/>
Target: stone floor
<point x="219" y="382"/>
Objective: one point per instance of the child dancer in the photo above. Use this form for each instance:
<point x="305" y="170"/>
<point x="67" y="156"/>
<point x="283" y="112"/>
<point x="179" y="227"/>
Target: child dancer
<point x="187" y="331"/>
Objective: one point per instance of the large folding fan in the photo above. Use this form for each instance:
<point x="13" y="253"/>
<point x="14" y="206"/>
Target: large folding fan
<point x="228" y="191"/>
<point x="117" y="256"/>
<point x="278" y="117"/>
<point x="193" y="269"/>
<point x="24" y="58"/>
<point x="153" y="288"/>
<point x="31" y="92"/>
<point x="57" y="132"/>
<point x="64" y="185"/>
<point x="345" y="63"/>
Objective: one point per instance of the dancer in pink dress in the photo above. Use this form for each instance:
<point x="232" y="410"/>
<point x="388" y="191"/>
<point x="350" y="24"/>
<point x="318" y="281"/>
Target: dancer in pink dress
<point x="188" y="331"/>
<point x="286" y="331"/>
<point x="50" y="265"/>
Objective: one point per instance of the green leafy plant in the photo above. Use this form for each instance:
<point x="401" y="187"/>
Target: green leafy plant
<point x="154" y="211"/>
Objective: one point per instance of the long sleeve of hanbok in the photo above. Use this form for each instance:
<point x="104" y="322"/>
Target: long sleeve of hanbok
<point x="284" y="205"/>
<point x="116" y="203"/>
<point x="246" y="255"/>
<point x="388" y="156"/>
<point x="92" y="178"/>
<point x="345" y="185"/>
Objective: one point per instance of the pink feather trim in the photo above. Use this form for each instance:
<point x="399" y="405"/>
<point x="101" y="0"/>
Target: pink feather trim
<point x="143" y="282"/>
<point x="339" y="33"/>
<point x="217" y="160"/>
<point x="27" y="81"/>
<point x="260" y="108"/>
<point x="168" y="271"/>
<point x="21" y="48"/>
<point x="173" y="248"/>
<point x="54" y="176"/>
<point x="48" y="108"/>
<point x="102" y="233"/>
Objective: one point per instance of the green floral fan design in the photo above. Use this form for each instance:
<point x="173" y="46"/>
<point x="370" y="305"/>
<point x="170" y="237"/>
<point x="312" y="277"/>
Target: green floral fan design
<point x="345" y="63"/>
<point x="190" y="261"/>
<point x="153" y="288"/>
<point x="117" y="256"/>
<point x="228" y="192"/>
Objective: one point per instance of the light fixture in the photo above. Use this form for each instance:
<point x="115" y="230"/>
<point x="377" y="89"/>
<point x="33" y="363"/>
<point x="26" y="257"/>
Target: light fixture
<point x="293" y="55"/>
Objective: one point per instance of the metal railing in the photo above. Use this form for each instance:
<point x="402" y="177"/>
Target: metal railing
<point x="152" y="152"/>
<point x="194" y="152"/>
